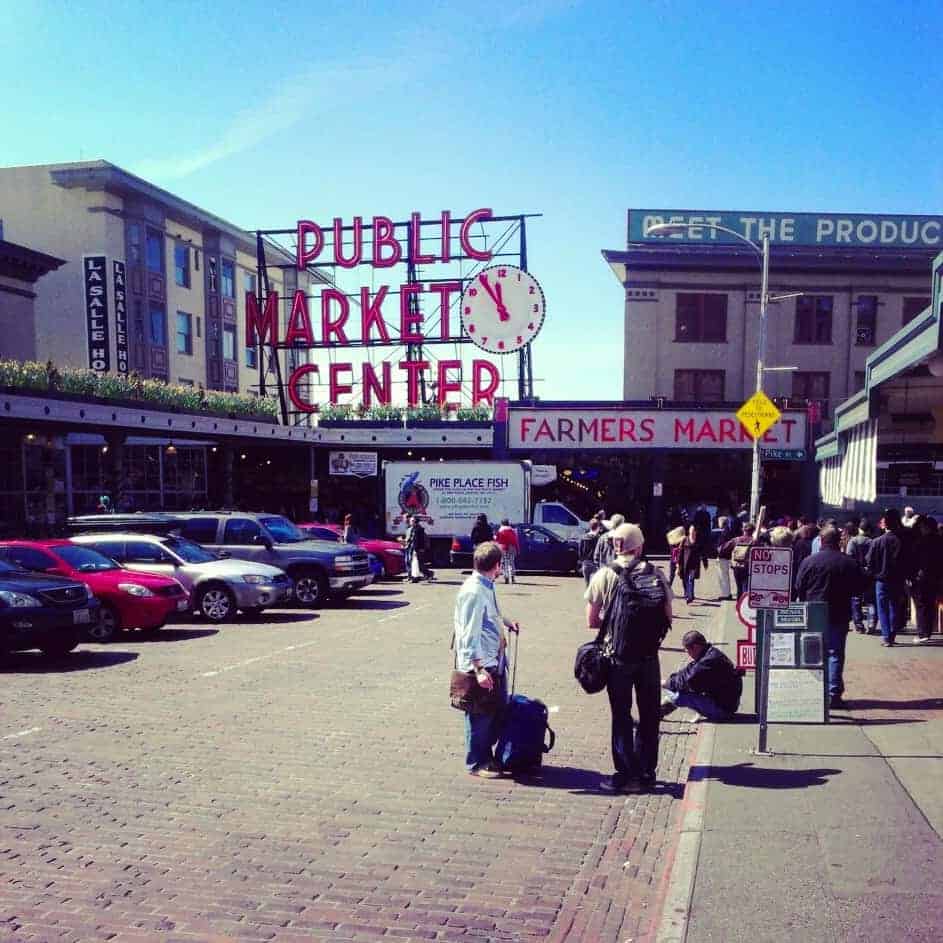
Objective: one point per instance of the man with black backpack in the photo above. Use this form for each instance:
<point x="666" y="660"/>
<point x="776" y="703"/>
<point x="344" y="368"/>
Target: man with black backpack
<point x="631" y="600"/>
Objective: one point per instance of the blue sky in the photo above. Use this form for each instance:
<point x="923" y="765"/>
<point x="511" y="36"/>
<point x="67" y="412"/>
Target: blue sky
<point x="267" y="112"/>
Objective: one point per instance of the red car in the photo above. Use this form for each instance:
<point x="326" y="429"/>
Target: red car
<point x="129" y="600"/>
<point x="388" y="552"/>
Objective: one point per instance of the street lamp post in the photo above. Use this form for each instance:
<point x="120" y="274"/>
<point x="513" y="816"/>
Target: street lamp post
<point x="662" y="229"/>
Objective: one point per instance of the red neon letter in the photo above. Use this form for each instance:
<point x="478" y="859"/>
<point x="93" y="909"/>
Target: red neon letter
<point x="335" y="386"/>
<point x="467" y="224"/>
<point x="446" y="254"/>
<point x="329" y="327"/>
<point x="445" y="290"/>
<point x="299" y="321"/>
<point x="370" y="315"/>
<point x="384" y="390"/>
<point x="356" y="256"/>
<point x="264" y="327"/>
<point x="302" y="405"/>
<point x="413" y="368"/>
<point x="415" y="241"/>
<point x="304" y="255"/>
<point x="480" y="392"/>
<point x="446" y="385"/>
<point x="407" y="318"/>
<point x="384" y="235"/>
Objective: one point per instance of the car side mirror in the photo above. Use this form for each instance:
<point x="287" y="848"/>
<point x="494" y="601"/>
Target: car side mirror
<point x="223" y="554"/>
<point x="264" y="540"/>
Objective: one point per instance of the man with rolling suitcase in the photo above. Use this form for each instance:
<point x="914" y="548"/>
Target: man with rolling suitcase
<point x="631" y="600"/>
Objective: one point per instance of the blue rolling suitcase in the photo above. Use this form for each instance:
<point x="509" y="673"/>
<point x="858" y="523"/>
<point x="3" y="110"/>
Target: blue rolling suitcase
<point x="522" y="742"/>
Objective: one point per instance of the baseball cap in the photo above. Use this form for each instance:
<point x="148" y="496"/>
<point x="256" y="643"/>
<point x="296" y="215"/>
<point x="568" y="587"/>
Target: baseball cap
<point x="630" y="535"/>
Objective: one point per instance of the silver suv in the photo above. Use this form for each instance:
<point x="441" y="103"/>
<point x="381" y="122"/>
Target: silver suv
<point x="218" y="587"/>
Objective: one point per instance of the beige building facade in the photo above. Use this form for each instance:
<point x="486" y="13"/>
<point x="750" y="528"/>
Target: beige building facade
<point x="185" y="274"/>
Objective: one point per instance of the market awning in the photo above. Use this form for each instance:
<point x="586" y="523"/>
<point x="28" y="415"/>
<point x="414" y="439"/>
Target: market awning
<point x="853" y="473"/>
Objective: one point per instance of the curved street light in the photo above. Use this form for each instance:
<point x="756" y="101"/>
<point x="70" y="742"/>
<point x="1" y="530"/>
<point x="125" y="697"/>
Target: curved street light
<point x="664" y="229"/>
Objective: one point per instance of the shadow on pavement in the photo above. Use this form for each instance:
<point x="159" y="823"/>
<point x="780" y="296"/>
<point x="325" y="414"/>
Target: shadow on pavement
<point x="274" y="618"/>
<point x="385" y="592"/>
<point x="926" y="704"/>
<point x="756" y="777"/>
<point x="585" y="782"/>
<point x="173" y="635"/>
<point x="82" y="660"/>
<point x="363" y="604"/>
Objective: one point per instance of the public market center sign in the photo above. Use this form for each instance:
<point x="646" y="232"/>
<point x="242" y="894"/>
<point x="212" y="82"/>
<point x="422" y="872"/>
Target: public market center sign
<point x="798" y="229"/>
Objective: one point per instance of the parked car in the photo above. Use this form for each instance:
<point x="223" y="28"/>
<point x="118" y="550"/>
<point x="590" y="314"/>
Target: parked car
<point x="128" y="600"/>
<point x="541" y="551"/>
<point x="319" y="569"/>
<point x="217" y="587"/>
<point x="44" y="612"/>
<point x="389" y="552"/>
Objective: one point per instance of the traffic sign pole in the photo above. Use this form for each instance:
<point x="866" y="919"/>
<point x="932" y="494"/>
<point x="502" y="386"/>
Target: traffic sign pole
<point x="760" y="363"/>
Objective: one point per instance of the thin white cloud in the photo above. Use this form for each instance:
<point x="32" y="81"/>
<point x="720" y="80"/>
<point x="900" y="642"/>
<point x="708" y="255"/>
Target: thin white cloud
<point x="303" y="96"/>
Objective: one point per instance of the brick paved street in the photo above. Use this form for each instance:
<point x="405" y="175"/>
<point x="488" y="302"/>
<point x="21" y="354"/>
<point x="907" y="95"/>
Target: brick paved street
<point x="301" y="779"/>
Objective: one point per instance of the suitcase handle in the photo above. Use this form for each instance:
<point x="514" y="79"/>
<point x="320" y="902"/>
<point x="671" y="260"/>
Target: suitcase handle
<point x="553" y="740"/>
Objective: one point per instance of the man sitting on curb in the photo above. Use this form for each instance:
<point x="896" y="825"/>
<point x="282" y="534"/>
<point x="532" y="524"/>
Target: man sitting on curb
<point x="709" y="684"/>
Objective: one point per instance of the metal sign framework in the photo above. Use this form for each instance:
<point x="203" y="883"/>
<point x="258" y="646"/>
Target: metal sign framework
<point x="501" y="244"/>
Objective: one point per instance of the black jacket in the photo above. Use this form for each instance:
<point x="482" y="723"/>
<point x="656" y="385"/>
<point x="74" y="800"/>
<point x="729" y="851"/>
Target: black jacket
<point x="832" y="577"/>
<point x="887" y="560"/>
<point x="480" y="533"/>
<point x="712" y="675"/>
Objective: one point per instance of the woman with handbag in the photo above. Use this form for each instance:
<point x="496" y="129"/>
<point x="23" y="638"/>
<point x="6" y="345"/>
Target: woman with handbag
<point x="479" y="681"/>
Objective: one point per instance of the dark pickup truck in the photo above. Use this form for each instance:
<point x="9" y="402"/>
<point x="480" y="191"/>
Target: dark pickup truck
<point x="45" y="612"/>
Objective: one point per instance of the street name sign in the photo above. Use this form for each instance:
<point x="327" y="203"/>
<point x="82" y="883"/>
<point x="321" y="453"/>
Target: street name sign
<point x="758" y="414"/>
<point x="770" y="577"/>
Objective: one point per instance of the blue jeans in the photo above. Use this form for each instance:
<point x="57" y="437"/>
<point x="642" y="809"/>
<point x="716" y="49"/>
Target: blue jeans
<point x="698" y="702"/>
<point x="482" y="730"/>
<point x="688" y="586"/>
<point x="863" y="614"/>
<point x="635" y="749"/>
<point x="835" y="638"/>
<point x="887" y="597"/>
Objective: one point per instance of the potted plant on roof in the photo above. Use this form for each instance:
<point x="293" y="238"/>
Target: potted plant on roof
<point x="337" y="416"/>
<point x="382" y="416"/>
<point x="426" y="416"/>
<point x="474" y="417"/>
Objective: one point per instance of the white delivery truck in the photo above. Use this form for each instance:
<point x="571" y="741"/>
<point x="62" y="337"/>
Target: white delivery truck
<point x="448" y="496"/>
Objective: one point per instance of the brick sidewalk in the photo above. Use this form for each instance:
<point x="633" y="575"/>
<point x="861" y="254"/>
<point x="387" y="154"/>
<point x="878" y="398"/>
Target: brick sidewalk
<point x="303" y="781"/>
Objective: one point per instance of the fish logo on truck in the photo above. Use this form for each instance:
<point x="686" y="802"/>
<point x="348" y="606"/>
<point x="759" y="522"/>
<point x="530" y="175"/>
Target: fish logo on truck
<point x="413" y="497"/>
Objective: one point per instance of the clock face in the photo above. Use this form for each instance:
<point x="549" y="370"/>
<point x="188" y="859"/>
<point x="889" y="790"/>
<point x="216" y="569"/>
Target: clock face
<point x="502" y="309"/>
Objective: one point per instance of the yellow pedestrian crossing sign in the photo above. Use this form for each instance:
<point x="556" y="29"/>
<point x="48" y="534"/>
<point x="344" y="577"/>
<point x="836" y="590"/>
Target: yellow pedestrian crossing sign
<point x="758" y="414"/>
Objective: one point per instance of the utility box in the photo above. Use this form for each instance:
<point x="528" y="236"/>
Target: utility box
<point x="792" y="669"/>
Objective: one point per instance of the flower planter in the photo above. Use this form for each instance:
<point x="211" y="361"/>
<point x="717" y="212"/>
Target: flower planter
<point x="429" y="424"/>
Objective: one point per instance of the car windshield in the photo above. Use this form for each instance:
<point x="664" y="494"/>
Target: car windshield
<point x="85" y="559"/>
<point x="321" y="533"/>
<point x="282" y="530"/>
<point x="188" y="551"/>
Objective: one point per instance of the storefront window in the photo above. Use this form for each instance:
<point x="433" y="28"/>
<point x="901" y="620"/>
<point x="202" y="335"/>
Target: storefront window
<point x="184" y="478"/>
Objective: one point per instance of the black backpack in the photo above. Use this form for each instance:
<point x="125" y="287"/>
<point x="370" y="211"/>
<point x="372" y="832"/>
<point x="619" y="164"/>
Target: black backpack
<point x="635" y="620"/>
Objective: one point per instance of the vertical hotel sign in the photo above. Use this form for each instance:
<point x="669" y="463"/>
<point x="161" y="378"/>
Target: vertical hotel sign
<point x="95" y="273"/>
<point x="121" y="317"/>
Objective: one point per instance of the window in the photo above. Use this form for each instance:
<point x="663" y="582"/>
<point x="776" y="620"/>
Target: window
<point x="699" y="386"/>
<point x="229" y="341"/>
<point x="201" y="530"/>
<point x="701" y="318"/>
<point x="241" y="531"/>
<point x="158" y="325"/>
<point x="249" y="281"/>
<point x="867" y="320"/>
<point x="113" y="549"/>
<point x="913" y="307"/>
<point x="554" y="514"/>
<point x="29" y="559"/>
<point x="182" y="265"/>
<point x="252" y="357"/>
<point x="140" y="551"/>
<point x="229" y="278"/>
<point x="813" y="319"/>
<point x="184" y="333"/>
<point x="134" y="243"/>
<point x="812" y="385"/>
<point x="859" y="380"/>
<point x="155" y="252"/>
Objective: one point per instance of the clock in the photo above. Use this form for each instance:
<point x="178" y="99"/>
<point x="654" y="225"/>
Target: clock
<point x="502" y="309"/>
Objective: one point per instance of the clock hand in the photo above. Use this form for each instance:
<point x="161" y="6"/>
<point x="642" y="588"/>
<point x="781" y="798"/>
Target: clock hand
<point x="499" y="303"/>
<point x="484" y="281"/>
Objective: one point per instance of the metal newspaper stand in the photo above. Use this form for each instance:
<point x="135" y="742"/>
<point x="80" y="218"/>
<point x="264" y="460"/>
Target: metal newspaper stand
<point x="791" y="671"/>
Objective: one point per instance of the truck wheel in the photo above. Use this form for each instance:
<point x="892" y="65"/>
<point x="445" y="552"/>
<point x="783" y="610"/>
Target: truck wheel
<point x="216" y="603"/>
<point x="61" y="645"/>
<point x="107" y="627"/>
<point x="311" y="589"/>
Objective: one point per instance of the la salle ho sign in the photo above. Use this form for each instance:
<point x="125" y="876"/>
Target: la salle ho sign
<point x="574" y="428"/>
<point x="378" y="245"/>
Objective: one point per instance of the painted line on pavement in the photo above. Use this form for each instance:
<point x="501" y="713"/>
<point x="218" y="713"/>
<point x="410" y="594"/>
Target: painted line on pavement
<point x="21" y="733"/>
<point x="403" y="611"/>
<point x="250" y="661"/>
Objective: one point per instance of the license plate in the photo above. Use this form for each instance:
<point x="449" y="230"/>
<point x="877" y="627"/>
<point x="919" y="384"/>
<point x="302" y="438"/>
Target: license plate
<point x="81" y="616"/>
<point x="182" y="605"/>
